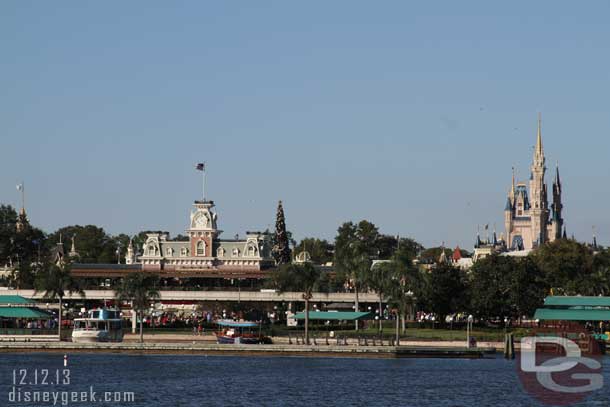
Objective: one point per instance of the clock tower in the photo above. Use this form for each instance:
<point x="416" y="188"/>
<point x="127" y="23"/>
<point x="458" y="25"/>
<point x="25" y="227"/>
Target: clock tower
<point x="202" y="230"/>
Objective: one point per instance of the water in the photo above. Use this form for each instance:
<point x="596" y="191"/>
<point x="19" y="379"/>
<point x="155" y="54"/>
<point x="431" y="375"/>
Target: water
<point x="187" y="380"/>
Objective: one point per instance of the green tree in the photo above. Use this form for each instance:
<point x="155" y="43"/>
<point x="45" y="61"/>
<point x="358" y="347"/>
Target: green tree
<point x="490" y="287"/>
<point x="56" y="281"/>
<point x="445" y="290"/>
<point x="528" y="288"/>
<point x="140" y="289"/>
<point x="8" y="219"/>
<point x="386" y="246"/>
<point x="408" y="281"/>
<point x="503" y="286"/>
<point x="24" y="250"/>
<point x="302" y="278"/>
<point x="379" y="280"/>
<point x="567" y="266"/>
<point x="321" y="251"/>
<point x="354" y="251"/>
<point x="92" y="243"/>
<point x="281" y="244"/>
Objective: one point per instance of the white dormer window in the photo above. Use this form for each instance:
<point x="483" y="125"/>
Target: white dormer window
<point x="151" y="250"/>
<point x="201" y="248"/>
<point x="183" y="252"/>
<point x="235" y="252"/>
<point x="251" y="251"/>
<point x="169" y="252"/>
<point x="221" y="252"/>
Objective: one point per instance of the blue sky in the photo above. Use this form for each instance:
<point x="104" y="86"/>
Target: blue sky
<point x="409" y="114"/>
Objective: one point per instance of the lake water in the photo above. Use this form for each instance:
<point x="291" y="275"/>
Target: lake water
<point x="187" y="380"/>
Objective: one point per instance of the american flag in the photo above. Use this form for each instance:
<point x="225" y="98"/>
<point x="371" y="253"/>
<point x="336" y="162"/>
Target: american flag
<point x="200" y="167"/>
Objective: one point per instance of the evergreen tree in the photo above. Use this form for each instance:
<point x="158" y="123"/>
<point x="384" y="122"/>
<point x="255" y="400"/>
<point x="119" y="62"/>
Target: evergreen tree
<point x="281" y="247"/>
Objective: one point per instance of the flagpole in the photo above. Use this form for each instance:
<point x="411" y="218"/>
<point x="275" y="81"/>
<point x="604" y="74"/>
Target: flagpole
<point x="204" y="181"/>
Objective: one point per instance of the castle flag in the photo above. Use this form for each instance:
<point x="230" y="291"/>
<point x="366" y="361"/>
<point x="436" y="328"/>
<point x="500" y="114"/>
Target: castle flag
<point x="200" y="167"/>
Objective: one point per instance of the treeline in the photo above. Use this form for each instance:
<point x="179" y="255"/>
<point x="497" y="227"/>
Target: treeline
<point x="400" y="270"/>
<point x="25" y="250"/>
<point x="495" y="288"/>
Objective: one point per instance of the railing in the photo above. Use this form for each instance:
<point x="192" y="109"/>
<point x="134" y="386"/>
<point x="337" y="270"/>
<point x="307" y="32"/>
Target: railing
<point x="341" y="339"/>
<point x="266" y="296"/>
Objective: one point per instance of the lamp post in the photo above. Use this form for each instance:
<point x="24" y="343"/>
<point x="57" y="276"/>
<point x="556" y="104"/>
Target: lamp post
<point x="468" y="329"/>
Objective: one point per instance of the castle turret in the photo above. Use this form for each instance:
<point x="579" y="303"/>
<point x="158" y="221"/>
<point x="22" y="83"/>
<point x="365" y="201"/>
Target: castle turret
<point x="556" y="219"/>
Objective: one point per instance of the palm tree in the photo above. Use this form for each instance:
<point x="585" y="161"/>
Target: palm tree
<point x="301" y="278"/>
<point x="140" y="289"/>
<point x="55" y="282"/>
<point x="380" y="280"/>
<point x="403" y="281"/>
<point x="354" y="246"/>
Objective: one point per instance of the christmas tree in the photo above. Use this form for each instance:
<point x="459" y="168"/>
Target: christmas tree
<point x="281" y="249"/>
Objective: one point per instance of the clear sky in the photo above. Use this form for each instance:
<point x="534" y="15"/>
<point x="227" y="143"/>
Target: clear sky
<point x="408" y="114"/>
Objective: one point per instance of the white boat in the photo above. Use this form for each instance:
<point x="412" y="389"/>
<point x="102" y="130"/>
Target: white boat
<point x="100" y="325"/>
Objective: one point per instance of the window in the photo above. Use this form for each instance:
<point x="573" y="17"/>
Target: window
<point x="235" y="252"/>
<point x="169" y="252"/>
<point x="251" y="251"/>
<point x="201" y="248"/>
<point x="183" y="251"/>
<point x="151" y="250"/>
<point x="221" y="252"/>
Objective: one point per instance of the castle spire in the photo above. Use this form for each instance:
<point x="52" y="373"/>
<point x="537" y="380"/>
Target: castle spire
<point x="539" y="151"/>
<point x="512" y="188"/>
<point x="557" y="179"/>
<point x="73" y="253"/>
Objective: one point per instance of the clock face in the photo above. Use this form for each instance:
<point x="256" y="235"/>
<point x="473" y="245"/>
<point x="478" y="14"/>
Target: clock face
<point x="200" y="220"/>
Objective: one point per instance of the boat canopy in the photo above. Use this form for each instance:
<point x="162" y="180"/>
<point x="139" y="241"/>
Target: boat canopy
<point x="236" y="324"/>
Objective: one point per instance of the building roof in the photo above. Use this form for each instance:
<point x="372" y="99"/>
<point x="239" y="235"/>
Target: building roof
<point x="457" y="254"/>
<point x="335" y="315"/>
<point x="576" y="301"/>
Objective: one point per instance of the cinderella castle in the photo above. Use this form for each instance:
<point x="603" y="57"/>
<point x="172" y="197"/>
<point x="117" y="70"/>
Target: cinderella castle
<point x="529" y="221"/>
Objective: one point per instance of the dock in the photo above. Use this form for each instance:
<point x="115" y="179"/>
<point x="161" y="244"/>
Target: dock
<point x="348" y="351"/>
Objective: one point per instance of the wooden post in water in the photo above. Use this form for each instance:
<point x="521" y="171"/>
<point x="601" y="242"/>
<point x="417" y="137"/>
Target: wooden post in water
<point x="509" y="346"/>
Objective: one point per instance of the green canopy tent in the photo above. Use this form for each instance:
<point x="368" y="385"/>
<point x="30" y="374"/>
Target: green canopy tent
<point x="23" y="313"/>
<point x="574" y="308"/>
<point x="336" y="316"/>
<point x="548" y="314"/>
<point x="15" y="300"/>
